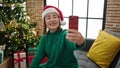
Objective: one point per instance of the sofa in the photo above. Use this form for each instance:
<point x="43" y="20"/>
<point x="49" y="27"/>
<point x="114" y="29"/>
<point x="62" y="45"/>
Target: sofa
<point x="86" y="62"/>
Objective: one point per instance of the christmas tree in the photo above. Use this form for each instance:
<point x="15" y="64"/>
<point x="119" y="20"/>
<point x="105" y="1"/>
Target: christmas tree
<point x="16" y="31"/>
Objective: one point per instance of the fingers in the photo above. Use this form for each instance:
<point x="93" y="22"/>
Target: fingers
<point x="72" y="31"/>
<point x="71" y="34"/>
<point x="75" y="36"/>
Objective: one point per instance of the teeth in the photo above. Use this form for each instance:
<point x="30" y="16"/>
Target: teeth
<point x="52" y="24"/>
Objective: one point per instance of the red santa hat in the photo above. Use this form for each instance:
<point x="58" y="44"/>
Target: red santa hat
<point x="49" y="9"/>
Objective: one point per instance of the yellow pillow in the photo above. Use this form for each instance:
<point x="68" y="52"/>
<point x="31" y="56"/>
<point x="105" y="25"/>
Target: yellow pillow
<point x="104" y="49"/>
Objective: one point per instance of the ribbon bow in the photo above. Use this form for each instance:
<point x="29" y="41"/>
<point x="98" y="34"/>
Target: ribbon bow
<point x="19" y="59"/>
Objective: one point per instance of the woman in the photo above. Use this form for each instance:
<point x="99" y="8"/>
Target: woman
<point x="57" y="44"/>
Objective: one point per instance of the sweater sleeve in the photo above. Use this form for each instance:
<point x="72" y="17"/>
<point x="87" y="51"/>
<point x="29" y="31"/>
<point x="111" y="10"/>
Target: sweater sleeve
<point x="74" y="46"/>
<point x="39" y="55"/>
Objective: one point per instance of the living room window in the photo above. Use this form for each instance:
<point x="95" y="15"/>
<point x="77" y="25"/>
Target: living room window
<point x="91" y="14"/>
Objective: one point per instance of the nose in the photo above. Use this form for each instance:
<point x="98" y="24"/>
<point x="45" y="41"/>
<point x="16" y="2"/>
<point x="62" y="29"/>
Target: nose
<point x="52" y="19"/>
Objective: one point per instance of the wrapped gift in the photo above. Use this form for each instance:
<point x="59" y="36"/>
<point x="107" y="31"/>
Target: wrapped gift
<point x="31" y="51"/>
<point x="20" y="60"/>
<point x="2" y="48"/>
<point x="30" y="57"/>
<point x="1" y="56"/>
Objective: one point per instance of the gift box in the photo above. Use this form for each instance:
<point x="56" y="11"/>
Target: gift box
<point x="31" y="51"/>
<point x="2" y="48"/>
<point x="30" y="57"/>
<point x="20" y="60"/>
<point x="1" y="56"/>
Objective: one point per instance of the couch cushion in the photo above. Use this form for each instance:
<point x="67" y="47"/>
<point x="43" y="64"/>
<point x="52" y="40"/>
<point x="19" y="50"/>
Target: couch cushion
<point x="116" y="59"/>
<point x="118" y="64"/>
<point x="83" y="60"/>
<point x="113" y="33"/>
<point x="104" y="49"/>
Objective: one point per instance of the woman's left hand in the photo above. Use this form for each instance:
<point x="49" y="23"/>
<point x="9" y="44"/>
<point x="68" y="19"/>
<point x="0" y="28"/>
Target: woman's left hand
<point x="75" y="36"/>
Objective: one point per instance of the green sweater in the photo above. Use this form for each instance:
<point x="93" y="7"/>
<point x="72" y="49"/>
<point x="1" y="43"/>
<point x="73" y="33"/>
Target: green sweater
<point x="58" y="49"/>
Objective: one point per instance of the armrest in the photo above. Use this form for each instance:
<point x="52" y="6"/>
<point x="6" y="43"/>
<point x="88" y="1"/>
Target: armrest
<point x="115" y="60"/>
<point x="87" y="44"/>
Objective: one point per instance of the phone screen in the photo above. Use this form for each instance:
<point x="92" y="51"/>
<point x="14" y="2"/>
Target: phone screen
<point x="73" y="22"/>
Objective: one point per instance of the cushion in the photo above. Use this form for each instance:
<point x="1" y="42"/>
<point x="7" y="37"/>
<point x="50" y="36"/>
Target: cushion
<point x="113" y="33"/>
<point x="83" y="60"/>
<point x="118" y="64"/>
<point x="104" y="49"/>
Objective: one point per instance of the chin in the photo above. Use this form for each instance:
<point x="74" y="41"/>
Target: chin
<point x="53" y="28"/>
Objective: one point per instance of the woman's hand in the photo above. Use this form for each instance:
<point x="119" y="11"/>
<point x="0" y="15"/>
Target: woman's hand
<point x="75" y="36"/>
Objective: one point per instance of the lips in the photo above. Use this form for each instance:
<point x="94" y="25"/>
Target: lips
<point x="52" y="24"/>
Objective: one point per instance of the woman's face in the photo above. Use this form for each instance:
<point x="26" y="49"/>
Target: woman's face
<point x="52" y="21"/>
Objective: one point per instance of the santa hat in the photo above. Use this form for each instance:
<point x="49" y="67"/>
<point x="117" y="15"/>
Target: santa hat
<point x="49" y="9"/>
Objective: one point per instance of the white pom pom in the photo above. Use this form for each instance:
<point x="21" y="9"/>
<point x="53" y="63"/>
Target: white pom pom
<point x="62" y="23"/>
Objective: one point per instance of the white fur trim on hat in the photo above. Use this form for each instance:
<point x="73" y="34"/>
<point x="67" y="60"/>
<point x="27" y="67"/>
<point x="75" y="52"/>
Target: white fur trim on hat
<point x="49" y="10"/>
<point x="62" y="23"/>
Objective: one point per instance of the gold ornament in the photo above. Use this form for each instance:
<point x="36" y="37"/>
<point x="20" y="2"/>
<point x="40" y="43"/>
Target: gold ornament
<point x="34" y="31"/>
<point x="23" y="25"/>
<point x="1" y="1"/>
<point x="13" y="23"/>
<point x="9" y="4"/>
<point x="9" y="48"/>
<point x="27" y="18"/>
<point x="2" y="26"/>
<point x="19" y="4"/>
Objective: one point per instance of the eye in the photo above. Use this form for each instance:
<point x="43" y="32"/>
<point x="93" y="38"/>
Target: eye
<point x="55" y="16"/>
<point x="47" y="17"/>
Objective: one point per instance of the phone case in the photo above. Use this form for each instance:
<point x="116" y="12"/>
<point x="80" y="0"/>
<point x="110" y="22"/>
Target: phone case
<point x="73" y="22"/>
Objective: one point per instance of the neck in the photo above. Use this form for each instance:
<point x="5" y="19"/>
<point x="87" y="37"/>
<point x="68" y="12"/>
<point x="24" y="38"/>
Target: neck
<point x="53" y="30"/>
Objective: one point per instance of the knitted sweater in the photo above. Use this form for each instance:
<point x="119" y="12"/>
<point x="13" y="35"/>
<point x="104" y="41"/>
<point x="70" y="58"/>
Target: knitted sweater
<point x="58" y="49"/>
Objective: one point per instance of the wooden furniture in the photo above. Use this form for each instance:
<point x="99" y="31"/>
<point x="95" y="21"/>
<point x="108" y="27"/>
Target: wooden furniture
<point x="7" y="63"/>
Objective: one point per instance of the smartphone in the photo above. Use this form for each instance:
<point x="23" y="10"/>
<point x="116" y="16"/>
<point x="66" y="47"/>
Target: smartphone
<point x="73" y="22"/>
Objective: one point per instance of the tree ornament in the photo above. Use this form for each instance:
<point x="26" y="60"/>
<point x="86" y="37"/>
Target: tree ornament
<point x="13" y="24"/>
<point x="9" y="4"/>
<point x="27" y="18"/>
<point x="19" y="5"/>
<point x="1" y="1"/>
<point x="2" y="27"/>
